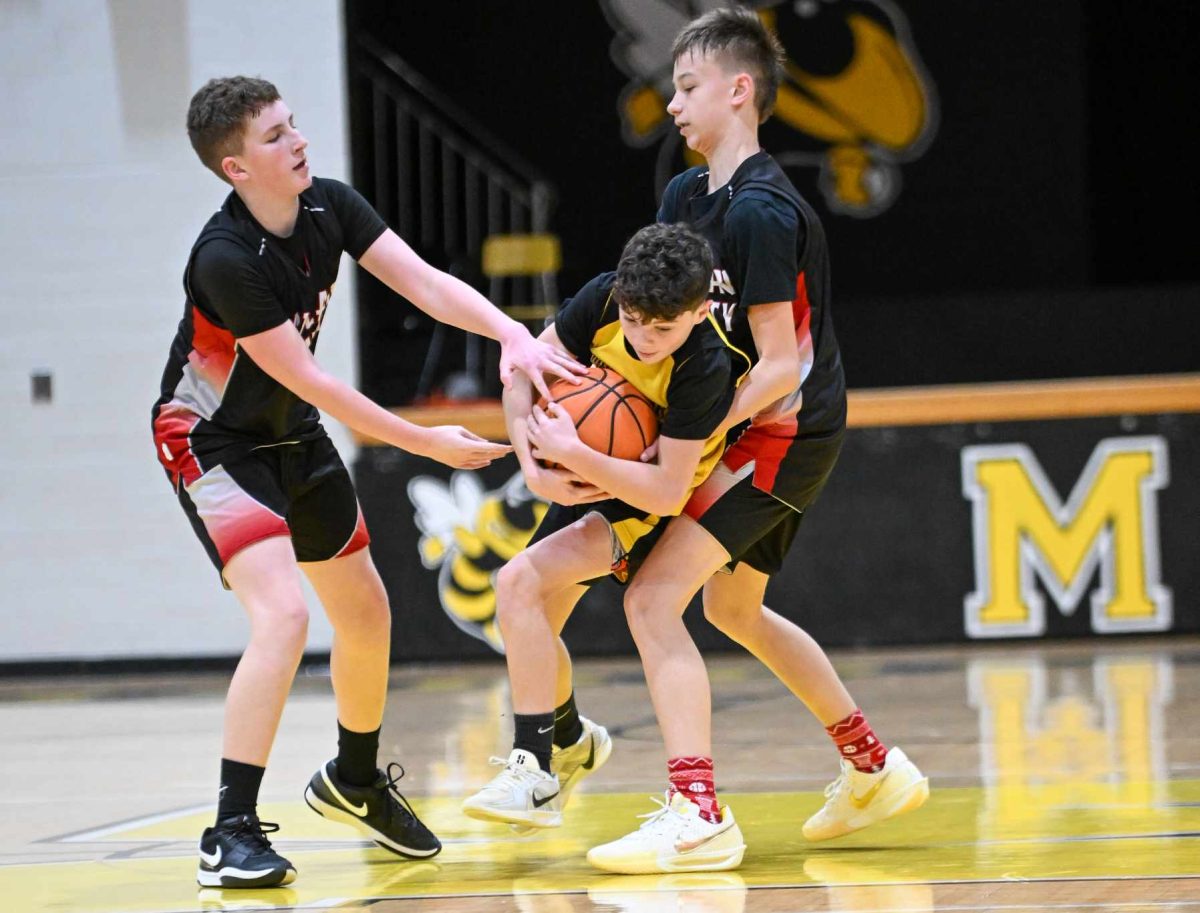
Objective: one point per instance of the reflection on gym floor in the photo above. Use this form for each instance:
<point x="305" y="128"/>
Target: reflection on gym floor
<point x="1062" y="774"/>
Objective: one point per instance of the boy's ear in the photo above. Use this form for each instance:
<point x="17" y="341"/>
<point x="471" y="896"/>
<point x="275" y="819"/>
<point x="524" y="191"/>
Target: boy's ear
<point x="702" y="311"/>
<point x="743" y="89"/>
<point x="233" y="169"/>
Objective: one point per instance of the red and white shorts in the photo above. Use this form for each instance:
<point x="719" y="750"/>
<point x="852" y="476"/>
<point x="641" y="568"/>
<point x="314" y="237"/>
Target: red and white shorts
<point x="301" y="490"/>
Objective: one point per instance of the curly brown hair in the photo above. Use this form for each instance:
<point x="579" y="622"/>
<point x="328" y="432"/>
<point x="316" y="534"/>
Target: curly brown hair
<point x="741" y="39"/>
<point x="664" y="271"/>
<point x="218" y="115"/>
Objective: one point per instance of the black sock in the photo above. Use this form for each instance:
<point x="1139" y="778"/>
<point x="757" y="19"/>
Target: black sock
<point x="358" y="756"/>
<point x="239" y="789"/>
<point x="567" y="727"/>
<point x="535" y="734"/>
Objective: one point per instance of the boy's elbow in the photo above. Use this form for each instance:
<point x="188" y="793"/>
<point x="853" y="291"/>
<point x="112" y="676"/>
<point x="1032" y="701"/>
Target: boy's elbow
<point x="671" y="502"/>
<point x="789" y="378"/>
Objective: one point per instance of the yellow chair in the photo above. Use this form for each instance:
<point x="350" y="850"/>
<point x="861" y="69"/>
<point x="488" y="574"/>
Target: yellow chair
<point x="536" y="257"/>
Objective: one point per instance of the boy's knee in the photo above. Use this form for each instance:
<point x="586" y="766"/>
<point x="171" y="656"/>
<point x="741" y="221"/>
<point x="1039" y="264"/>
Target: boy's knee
<point x="639" y="608"/>
<point x="731" y="617"/>
<point x="285" y="627"/>
<point x="510" y="579"/>
<point x="373" y="620"/>
<point x="516" y="588"/>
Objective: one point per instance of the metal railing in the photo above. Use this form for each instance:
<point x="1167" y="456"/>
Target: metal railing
<point x="441" y="180"/>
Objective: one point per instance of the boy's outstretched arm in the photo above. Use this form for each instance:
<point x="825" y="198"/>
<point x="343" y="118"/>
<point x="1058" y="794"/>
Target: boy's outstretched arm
<point x="657" y="488"/>
<point x="452" y="301"/>
<point x="549" y="484"/>
<point x="777" y="372"/>
<point x="285" y="357"/>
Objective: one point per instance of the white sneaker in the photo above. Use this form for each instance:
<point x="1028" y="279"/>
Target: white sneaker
<point x="575" y="762"/>
<point x="856" y="800"/>
<point x="674" y="839"/>
<point x="522" y="794"/>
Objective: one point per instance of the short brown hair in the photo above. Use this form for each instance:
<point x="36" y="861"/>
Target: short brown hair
<point x="742" y="39"/>
<point x="219" y="112"/>
<point x="664" y="271"/>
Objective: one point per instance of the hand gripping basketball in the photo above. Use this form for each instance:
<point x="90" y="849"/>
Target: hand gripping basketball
<point x="609" y="413"/>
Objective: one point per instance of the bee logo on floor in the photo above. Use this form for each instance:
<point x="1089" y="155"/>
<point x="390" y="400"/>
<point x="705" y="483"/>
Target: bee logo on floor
<point x="467" y="534"/>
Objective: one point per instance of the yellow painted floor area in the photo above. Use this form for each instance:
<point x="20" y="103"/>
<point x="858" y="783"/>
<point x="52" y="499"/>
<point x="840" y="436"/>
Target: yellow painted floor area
<point x="1147" y="830"/>
<point x="1064" y="778"/>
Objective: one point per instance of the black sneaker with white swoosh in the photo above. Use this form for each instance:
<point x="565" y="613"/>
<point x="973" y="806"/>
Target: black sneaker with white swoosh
<point x="379" y="811"/>
<point x="237" y="854"/>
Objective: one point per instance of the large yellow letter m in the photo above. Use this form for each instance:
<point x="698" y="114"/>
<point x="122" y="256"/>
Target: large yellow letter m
<point x="1022" y="531"/>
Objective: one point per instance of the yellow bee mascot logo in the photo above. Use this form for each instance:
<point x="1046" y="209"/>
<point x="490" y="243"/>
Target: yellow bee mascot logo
<point x="855" y="102"/>
<point x="467" y="534"/>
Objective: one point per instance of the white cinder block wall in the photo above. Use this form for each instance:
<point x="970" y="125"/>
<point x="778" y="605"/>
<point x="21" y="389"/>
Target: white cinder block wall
<point x="100" y="200"/>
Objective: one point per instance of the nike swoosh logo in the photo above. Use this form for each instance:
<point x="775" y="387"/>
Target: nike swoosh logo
<point x="213" y="859"/>
<point x="861" y="802"/>
<point x="591" y="758"/>
<point x="544" y="731"/>
<point x="360" y="810"/>
<point x="538" y="803"/>
<point x="686" y="846"/>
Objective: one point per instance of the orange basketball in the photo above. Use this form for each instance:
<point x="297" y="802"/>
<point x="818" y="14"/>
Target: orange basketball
<point x="609" y="413"/>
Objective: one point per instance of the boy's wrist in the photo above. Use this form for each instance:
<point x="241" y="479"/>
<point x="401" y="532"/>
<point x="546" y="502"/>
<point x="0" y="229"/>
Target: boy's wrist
<point x="511" y="331"/>
<point x="414" y="438"/>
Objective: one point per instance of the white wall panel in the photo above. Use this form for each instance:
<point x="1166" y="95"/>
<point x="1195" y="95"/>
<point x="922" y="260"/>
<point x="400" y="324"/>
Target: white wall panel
<point x="101" y="197"/>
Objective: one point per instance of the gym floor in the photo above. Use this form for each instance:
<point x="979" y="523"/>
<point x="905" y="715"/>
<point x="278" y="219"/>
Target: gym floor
<point x="1065" y="776"/>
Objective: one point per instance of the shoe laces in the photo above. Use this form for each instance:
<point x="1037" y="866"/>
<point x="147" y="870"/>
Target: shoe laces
<point x="842" y="782"/>
<point x="249" y="828"/>
<point x="395" y="773"/>
<point x="514" y="771"/>
<point x="661" y="818"/>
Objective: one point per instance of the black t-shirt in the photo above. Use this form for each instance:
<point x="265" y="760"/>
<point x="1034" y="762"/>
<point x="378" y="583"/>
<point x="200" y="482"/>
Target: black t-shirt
<point x="769" y="245"/>
<point x="693" y="387"/>
<point x="241" y="280"/>
<point x="229" y="284"/>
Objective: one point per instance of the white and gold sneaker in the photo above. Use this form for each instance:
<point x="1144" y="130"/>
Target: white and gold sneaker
<point x="674" y="839"/>
<point x="856" y="800"/>
<point x="575" y="762"/>
<point x="521" y="794"/>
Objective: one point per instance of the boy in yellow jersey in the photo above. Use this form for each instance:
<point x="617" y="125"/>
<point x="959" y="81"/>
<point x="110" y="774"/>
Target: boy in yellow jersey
<point x="772" y="293"/>
<point x="649" y="321"/>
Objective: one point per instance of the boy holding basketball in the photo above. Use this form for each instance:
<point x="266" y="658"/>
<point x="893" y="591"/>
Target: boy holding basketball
<point x="238" y="432"/>
<point x="650" y="323"/>
<point x="788" y="420"/>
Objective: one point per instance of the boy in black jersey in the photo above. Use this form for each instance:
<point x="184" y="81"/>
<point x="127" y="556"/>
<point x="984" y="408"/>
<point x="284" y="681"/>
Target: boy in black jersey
<point x="237" y="430"/>
<point x="771" y="293"/>
<point x="650" y="323"/>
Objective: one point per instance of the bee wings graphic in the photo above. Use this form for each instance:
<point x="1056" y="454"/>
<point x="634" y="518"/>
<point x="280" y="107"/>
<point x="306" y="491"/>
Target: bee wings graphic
<point x="441" y="508"/>
<point x="645" y="31"/>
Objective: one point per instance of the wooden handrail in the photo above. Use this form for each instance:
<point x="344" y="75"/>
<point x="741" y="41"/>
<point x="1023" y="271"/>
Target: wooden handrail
<point x="937" y="405"/>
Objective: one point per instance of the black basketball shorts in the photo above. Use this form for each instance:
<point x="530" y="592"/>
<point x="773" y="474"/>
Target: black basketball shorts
<point x="301" y="490"/>
<point x="633" y="533"/>
<point x="756" y="526"/>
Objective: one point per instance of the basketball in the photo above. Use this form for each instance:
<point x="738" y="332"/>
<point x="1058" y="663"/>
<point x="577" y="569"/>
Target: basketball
<point x="610" y="414"/>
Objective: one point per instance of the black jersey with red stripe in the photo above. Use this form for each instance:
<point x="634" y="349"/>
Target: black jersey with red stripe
<point x="215" y="402"/>
<point x="769" y="245"/>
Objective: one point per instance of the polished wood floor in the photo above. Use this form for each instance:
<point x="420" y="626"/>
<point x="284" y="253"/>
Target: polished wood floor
<point x="1065" y="777"/>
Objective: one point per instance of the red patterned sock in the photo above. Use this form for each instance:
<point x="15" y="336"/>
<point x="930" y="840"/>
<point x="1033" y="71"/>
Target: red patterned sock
<point x="693" y="779"/>
<point x="858" y="743"/>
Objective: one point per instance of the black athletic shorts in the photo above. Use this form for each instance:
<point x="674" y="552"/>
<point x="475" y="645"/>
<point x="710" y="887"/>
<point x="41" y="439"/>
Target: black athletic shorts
<point x="633" y="533"/>
<point x="753" y="526"/>
<point x="301" y="490"/>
